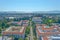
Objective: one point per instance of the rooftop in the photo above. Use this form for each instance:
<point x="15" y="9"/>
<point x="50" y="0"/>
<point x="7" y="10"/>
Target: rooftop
<point x="14" y="30"/>
<point x="45" y="29"/>
<point x="48" y="33"/>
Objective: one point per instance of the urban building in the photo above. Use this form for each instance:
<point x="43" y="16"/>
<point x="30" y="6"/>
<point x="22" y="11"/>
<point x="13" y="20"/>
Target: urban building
<point x="14" y="33"/>
<point x="37" y="20"/>
<point x="19" y="23"/>
<point x="25" y="22"/>
<point x="45" y="32"/>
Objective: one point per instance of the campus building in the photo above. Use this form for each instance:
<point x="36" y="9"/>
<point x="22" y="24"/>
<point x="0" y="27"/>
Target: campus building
<point x="45" y="32"/>
<point x="25" y="22"/>
<point x="37" y="20"/>
<point x="20" y="23"/>
<point x="14" y="33"/>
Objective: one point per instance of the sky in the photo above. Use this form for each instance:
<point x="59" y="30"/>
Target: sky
<point x="29" y="5"/>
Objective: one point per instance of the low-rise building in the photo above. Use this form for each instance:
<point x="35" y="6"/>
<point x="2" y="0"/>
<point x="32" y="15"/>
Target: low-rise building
<point x="44" y="31"/>
<point x="25" y="22"/>
<point x="37" y="20"/>
<point x="16" y="23"/>
<point x="15" y="32"/>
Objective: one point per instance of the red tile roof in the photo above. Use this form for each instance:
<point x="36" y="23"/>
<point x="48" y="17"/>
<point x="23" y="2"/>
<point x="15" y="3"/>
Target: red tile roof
<point x="45" y="38"/>
<point x="8" y="32"/>
<point x="46" y="33"/>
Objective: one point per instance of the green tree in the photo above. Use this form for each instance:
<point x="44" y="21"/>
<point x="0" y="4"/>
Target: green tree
<point x="48" y="21"/>
<point x="20" y="39"/>
<point x="27" y="31"/>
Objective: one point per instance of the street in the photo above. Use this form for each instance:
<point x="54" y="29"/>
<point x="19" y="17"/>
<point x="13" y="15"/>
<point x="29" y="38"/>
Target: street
<point x="31" y="32"/>
<point x="1" y="38"/>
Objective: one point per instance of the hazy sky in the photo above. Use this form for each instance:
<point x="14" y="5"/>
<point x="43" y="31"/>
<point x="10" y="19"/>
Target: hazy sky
<point x="29" y="5"/>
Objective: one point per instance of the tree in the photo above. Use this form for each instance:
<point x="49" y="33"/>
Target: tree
<point x="0" y="30"/>
<point x="48" y="21"/>
<point x="20" y="39"/>
<point x="27" y="31"/>
<point x="26" y="39"/>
